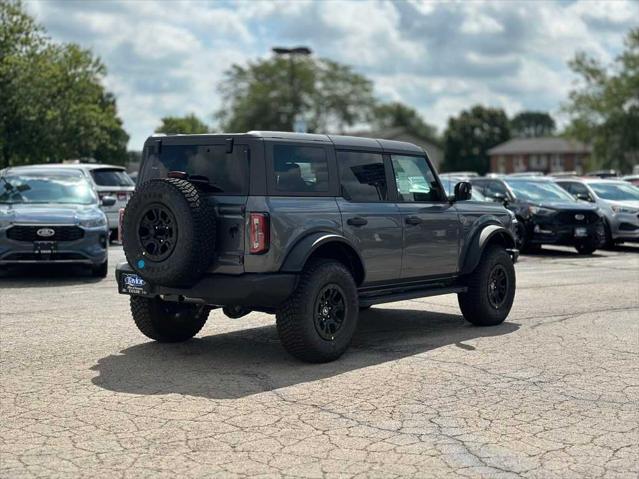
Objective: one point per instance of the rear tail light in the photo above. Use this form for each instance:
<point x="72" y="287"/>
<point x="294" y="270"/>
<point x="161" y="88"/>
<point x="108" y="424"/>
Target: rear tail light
<point x="259" y="233"/>
<point x="120" y="221"/>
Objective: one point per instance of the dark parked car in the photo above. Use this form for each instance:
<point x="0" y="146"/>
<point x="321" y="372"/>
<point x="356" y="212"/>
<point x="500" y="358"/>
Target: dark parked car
<point x="310" y="227"/>
<point x="546" y="214"/>
<point x="50" y="215"/>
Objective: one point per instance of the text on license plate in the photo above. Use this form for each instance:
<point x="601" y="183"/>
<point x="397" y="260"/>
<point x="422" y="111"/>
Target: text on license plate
<point x="133" y="284"/>
<point x="581" y="232"/>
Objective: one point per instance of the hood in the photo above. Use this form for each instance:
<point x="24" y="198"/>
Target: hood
<point x="567" y="205"/>
<point x="626" y="204"/>
<point x="50" y="214"/>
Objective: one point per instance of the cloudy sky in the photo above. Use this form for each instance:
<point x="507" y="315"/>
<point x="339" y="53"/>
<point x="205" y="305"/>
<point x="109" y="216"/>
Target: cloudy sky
<point x="167" y="57"/>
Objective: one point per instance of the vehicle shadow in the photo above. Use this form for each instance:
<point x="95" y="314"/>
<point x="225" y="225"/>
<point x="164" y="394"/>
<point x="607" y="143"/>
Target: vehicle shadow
<point x="567" y="252"/>
<point x="243" y="363"/>
<point x="624" y="248"/>
<point x="45" y="275"/>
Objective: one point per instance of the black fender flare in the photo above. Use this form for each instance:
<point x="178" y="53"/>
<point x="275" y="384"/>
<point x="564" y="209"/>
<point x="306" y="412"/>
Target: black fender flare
<point x="481" y="239"/>
<point x="301" y="251"/>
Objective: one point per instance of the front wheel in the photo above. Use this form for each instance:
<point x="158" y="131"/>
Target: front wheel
<point x="587" y="247"/>
<point x="101" y="270"/>
<point x="167" y="321"/>
<point x="491" y="289"/>
<point x="316" y="323"/>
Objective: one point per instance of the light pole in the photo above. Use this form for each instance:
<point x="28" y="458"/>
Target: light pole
<point x="297" y="124"/>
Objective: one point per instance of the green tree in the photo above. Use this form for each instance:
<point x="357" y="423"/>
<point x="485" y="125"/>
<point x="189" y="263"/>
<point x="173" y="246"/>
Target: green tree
<point x="189" y="124"/>
<point x="604" y="109"/>
<point x="270" y="94"/>
<point x="393" y="115"/>
<point x="52" y="102"/>
<point x="532" y="124"/>
<point x="469" y="136"/>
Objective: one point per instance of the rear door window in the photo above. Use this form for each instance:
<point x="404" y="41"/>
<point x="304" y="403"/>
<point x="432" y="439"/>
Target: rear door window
<point x="300" y="169"/>
<point x="111" y="177"/>
<point x="362" y="176"/>
<point x="227" y="172"/>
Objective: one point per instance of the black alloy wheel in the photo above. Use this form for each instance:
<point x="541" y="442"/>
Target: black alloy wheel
<point x="497" y="286"/>
<point x="329" y="311"/>
<point x="157" y="232"/>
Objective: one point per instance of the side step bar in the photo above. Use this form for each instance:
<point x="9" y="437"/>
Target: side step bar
<point x="411" y="294"/>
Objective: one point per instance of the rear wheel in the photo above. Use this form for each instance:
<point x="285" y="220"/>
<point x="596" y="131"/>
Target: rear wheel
<point x="491" y="289"/>
<point x="167" y="321"/>
<point x="316" y="324"/>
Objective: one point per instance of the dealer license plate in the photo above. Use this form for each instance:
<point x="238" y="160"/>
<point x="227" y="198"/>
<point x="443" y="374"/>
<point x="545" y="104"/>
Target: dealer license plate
<point x="133" y="284"/>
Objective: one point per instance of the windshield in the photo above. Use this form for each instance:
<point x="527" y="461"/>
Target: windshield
<point x="111" y="177"/>
<point x="537" y="191"/>
<point x="616" y="191"/>
<point x="39" y="187"/>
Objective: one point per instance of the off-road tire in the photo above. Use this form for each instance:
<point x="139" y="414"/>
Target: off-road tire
<point x="295" y="317"/>
<point x="475" y="304"/>
<point x="101" y="270"/>
<point x="168" y="322"/>
<point x="194" y="246"/>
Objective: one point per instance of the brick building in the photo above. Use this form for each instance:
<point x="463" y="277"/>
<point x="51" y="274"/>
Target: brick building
<point x="547" y="154"/>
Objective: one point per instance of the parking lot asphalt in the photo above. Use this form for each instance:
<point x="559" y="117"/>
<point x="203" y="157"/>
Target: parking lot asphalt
<point x="553" y="392"/>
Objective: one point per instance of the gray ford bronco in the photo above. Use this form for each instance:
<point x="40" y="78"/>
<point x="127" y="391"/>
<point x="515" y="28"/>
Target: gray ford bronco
<point x="312" y="228"/>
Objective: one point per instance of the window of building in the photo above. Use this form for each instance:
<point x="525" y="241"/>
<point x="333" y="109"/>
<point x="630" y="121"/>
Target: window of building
<point x="362" y="176"/>
<point x="300" y="169"/>
<point x="557" y="163"/>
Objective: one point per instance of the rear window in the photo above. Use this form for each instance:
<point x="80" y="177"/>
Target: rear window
<point x="111" y="177"/>
<point x="228" y="172"/>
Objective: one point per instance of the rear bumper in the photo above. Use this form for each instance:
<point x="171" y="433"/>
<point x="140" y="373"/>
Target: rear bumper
<point x="251" y="290"/>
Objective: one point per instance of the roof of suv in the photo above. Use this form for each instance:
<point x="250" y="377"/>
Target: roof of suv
<point x="337" y="140"/>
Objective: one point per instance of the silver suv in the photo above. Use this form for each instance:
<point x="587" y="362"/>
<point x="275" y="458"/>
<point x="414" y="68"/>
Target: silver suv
<point x="618" y="202"/>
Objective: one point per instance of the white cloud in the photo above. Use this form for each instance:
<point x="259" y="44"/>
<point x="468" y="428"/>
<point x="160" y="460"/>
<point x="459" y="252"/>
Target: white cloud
<point x="439" y="57"/>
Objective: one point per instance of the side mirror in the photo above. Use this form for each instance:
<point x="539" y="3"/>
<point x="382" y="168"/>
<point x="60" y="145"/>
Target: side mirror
<point x="108" y="201"/>
<point x="463" y="191"/>
<point x="584" y="197"/>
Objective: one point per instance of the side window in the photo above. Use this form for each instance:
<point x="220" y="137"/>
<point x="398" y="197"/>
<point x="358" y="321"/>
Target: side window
<point x="300" y="169"/>
<point x="576" y="189"/>
<point x="415" y="180"/>
<point x="362" y="176"/>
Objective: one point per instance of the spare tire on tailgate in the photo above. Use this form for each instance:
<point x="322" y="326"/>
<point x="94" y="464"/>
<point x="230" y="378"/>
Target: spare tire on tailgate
<point x="168" y="232"/>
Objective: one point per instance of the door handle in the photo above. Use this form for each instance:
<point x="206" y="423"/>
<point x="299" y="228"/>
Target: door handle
<point x="413" y="220"/>
<point x="357" y="221"/>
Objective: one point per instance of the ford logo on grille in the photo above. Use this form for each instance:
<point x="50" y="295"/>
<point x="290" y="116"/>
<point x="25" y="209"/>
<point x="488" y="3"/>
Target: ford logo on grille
<point x="133" y="280"/>
<point x="45" y="232"/>
<point x="579" y="217"/>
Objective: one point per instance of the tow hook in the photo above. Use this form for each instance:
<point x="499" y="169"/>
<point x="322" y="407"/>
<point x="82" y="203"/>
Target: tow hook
<point x="235" y="312"/>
